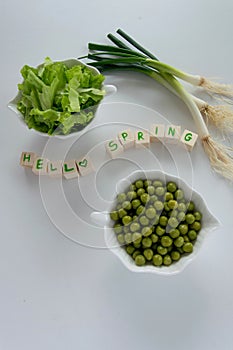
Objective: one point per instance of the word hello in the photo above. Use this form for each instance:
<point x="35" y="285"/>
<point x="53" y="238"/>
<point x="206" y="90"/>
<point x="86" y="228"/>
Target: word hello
<point x="127" y="138"/>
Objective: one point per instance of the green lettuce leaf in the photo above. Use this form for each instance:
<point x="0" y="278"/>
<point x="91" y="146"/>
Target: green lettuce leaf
<point x="59" y="99"/>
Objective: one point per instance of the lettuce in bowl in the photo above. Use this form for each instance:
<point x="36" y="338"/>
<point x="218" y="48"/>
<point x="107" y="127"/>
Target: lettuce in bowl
<point x="59" y="98"/>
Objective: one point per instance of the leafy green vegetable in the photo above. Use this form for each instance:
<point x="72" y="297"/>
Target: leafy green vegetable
<point x="56" y="99"/>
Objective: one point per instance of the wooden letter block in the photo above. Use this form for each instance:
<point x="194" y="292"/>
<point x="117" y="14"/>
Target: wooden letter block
<point x="126" y="138"/>
<point x="172" y="133"/>
<point x="142" y="138"/>
<point x="40" y="166"/>
<point x="70" y="170"/>
<point x="55" y="168"/>
<point x="157" y="132"/>
<point x="114" y="148"/>
<point x="27" y="159"/>
<point x="85" y="166"/>
<point x="188" y="139"/>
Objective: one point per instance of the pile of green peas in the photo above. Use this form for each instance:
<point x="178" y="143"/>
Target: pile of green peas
<point x="155" y="223"/>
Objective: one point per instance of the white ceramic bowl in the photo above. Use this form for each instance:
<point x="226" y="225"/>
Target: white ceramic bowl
<point x="209" y="223"/>
<point x="109" y="89"/>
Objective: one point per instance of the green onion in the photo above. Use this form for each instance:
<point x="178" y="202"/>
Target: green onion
<point x="121" y="56"/>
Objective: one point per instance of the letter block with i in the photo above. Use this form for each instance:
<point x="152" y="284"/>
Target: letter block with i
<point x="40" y="166"/>
<point x="157" y="132"/>
<point x="70" y="170"/>
<point x="114" y="148"/>
<point x="126" y="138"/>
<point x="55" y="168"/>
<point x="172" y="133"/>
<point x="27" y="159"/>
<point x="188" y="139"/>
<point x="142" y="138"/>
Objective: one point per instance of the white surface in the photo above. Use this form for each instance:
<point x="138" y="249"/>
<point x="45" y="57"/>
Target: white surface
<point x="56" y="294"/>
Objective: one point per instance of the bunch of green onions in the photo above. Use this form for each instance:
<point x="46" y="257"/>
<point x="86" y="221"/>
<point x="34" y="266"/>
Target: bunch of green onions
<point x="121" y="56"/>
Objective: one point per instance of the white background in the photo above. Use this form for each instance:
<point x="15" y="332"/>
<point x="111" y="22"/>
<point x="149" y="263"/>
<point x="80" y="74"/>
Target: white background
<point x="56" y="294"/>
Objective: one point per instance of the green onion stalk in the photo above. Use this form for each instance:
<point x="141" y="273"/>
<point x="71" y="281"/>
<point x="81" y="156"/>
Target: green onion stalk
<point x="123" y="57"/>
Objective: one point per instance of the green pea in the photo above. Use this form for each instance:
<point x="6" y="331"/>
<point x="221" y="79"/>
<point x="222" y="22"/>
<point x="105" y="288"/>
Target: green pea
<point x="150" y="190"/>
<point x="190" y="206"/>
<point x="136" y="237"/>
<point x="183" y="228"/>
<point x="118" y="206"/>
<point x="148" y="253"/>
<point x="126" y="219"/>
<point x="171" y="187"/>
<point x="173" y="222"/>
<point x="181" y="207"/>
<point x="136" y="203"/>
<point x="140" y="210"/>
<point x="155" y="220"/>
<point x="132" y="187"/>
<point x="159" y="191"/>
<point x="179" y="241"/>
<point x="127" y="205"/>
<point x="114" y="215"/>
<point x="128" y="238"/>
<point x="166" y="207"/>
<point x="136" y="253"/>
<point x="134" y="227"/>
<point x="121" y="197"/>
<point x="118" y="228"/>
<point x="161" y="250"/>
<point x="174" y="213"/>
<point x="126" y="229"/>
<point x="186" y="238"/>
<point x="130" y="249"/>
<point x="140" y="191"/>
<point x="190" y="218"/>
<point x="179" y="194"/>
<point x="150" y="213"/>
<point x="167" y="260"/>
<point x="180" y="250"/>
<point x="144" y="220"/>
<point x="166" y="241"/>
<point x="157" y="183"/>
<point x="172" y="204"/>
<point x="168" y="196"/>
<point x="140" y="260"/>
<point x="145" y="198"/>
<point x="122" y="212"/>
<point x="139" y="184"/>
<point x="146" y="231"/>
<point x="174" y="233"/>
<point x="131" y="195"/>
<point x="153" y="198"/>
<point x="157" y="260"/>
<point x="146" y="242"/>
<point x="197" y="216"/>
<point x="121" y="238"/>
<point x="158" y="205"/>
<point x="188" y="247"/>
<point x="181" y="216"/>
<point x="135" y="217"/>
<point x="137" y="245"/>
<point x="154" y="238"/>
<point x="175" y="255"/>
<point x="163" y="220"/>
<point x="147" y="183"/>
<point x="159" y="231"/>
<point x="192" y="235"/>
<point x="196" y="226"/>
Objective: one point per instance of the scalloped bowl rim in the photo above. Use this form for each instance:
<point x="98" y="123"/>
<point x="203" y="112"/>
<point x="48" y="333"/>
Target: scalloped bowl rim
<point x="209" y="223"/>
